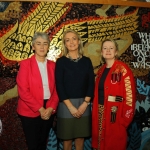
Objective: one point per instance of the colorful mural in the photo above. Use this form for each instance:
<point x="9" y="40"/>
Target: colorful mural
<point x="129" y="26"/>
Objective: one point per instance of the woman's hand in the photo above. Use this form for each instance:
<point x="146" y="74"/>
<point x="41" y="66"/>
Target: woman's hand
<point x="48" y="112"/>
<point x="82" y="108"/>
<point x="45" y="113"/>
<point x="74" y="111"/>
<point x="42" y="113"/>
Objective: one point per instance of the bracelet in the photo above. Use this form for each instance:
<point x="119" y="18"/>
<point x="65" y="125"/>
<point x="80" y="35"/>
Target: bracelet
<point x="88" y="103"/>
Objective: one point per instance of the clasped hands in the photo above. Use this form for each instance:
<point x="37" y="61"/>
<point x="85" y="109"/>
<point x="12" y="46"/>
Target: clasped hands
<point x="77" y="113"/>
<point x="45" y="113"/>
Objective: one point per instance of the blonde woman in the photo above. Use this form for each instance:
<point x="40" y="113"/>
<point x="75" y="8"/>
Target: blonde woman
<point x="75" y="86"/>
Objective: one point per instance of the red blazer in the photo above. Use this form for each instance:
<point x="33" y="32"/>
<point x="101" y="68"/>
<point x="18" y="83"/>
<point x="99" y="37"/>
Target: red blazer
<point x="119" y="82"/>
<point x="30" y="88"/>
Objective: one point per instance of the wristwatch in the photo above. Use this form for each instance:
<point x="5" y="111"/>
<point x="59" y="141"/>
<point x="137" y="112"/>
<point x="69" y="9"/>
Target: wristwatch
<point x="88" y="103"/>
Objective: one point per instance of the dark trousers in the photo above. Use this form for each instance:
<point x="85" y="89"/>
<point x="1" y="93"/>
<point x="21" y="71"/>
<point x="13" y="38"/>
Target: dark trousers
<point x="36" y="131"/>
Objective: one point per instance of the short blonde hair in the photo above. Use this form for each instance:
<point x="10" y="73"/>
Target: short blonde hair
<point x="116" y="45"/>
<point x="64" y="48"/>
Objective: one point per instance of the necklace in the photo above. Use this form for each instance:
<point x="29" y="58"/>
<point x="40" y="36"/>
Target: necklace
<point x="74" y="60"/>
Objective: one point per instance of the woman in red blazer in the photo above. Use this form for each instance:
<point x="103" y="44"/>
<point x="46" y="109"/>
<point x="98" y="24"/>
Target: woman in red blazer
<point x="38" y="98"/>
<point x="114" y="101"/>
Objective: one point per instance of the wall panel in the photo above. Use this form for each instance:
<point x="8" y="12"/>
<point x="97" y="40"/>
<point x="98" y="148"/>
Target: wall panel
<point x="127" y="23"/>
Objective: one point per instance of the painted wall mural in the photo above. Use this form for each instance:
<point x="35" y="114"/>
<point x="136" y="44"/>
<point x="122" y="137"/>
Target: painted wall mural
<point x="129" y="26"/>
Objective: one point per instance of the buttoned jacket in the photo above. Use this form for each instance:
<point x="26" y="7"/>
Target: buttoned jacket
<point x="30" y="88"/>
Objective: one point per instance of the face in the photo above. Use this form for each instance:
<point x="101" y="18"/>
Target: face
<point x="40" y="47"/>
<point x="71" y="41"/>
<point x="109" y="50"/>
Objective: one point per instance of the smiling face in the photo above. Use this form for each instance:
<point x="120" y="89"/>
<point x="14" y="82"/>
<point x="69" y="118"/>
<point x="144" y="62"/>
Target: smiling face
<point x="71" y="42"/>
<point x="109" y="50"/>
<point x="40" y="47"/>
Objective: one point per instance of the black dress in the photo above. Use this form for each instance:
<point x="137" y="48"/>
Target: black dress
<point x="74" y="81"/>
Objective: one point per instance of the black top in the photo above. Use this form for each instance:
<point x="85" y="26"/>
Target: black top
<point x="74" y="79"/>
<point x="101" y="86"/>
